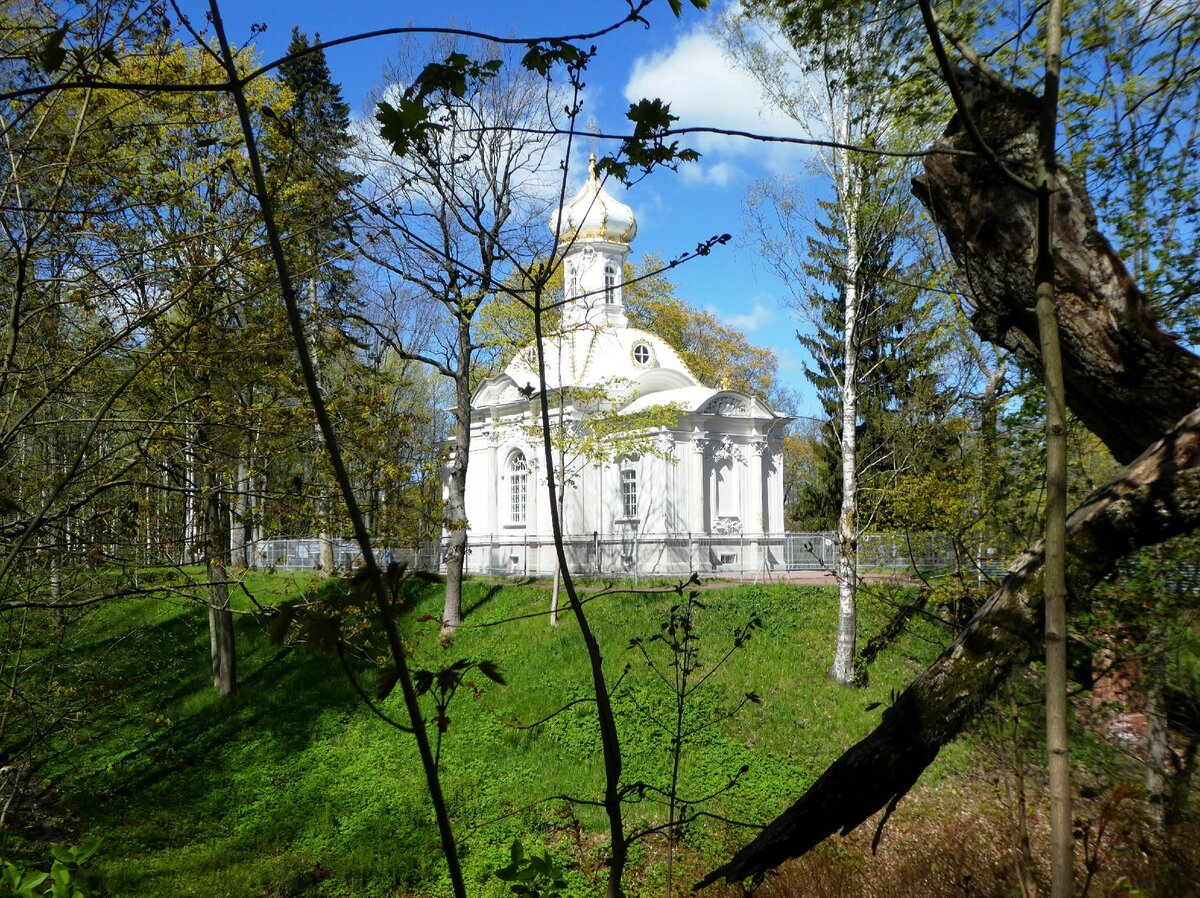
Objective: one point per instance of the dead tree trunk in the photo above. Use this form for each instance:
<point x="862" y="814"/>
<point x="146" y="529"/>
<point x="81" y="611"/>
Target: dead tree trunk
<point x="1127" y="381"/>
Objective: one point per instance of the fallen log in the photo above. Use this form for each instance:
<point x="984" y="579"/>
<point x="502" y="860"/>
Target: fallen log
<point x="1127" y="381"/>
<point x="1152" y="499"/>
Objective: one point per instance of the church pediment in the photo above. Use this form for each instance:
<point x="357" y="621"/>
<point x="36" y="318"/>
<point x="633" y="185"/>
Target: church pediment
<point x="727" y="404"/>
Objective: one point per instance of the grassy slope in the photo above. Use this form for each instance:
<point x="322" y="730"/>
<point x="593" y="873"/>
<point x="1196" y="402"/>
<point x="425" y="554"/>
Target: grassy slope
<point x="291" y="787"/>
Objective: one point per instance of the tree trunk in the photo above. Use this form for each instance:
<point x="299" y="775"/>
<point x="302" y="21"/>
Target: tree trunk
<point x="1155" y="498"/>
<point x="847" y="630"/>
<point x="1124" y="378"/>
<point x="456" y="487"/>
<point x="1156" y="734"/>
<point x="1022" y="848"/>
<point x="220" y="616"/>
<point x="1062" y="837"/>
<point x="325" y="562"/>
<point x="239" y="517"/>
<point x="849" y="191"/>
<point x="1127" y="381"/>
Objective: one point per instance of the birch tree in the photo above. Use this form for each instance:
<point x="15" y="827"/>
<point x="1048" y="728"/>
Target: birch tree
<point x="822" y="69"/>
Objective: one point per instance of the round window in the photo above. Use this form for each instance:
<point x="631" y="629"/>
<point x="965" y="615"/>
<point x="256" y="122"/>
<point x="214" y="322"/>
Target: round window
<point x="643" y="355"/>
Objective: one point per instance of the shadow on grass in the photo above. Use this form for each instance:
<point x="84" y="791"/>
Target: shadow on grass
<point x="237" y="781"/>
<point x="482" y="600"/>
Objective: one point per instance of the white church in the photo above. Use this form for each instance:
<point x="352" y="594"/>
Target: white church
<point x="707" y="496"/>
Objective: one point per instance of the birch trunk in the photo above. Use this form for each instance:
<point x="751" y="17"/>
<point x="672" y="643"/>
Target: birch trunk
<point x="239" y="517"/>
<point x="848" y="190"/>
<point x="324" y="539"/>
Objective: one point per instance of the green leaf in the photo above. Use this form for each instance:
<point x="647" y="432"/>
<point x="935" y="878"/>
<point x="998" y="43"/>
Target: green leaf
<point x="31" y="881"/>
<point x="86" y="849"/>
<point x="53" y="54"/>
<point x="490" y="670"/>
<point x="448" y="679"/>
<point x="278" y="626"/>
<point x="406" y="124"/>
<point x="388" y="678"/>
<point x="540" y="57"/>
<point x="322" y="632"/>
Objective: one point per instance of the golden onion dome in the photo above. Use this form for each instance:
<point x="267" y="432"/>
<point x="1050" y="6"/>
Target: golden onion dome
<point x="594" y="214"/>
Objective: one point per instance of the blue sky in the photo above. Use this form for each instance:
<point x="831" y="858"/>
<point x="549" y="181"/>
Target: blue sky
<point x="675" y="59"/>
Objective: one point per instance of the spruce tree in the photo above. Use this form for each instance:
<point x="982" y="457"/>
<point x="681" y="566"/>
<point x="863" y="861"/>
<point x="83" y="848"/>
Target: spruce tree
<point x="314" y="187"/>
<point x="897" y="354"/>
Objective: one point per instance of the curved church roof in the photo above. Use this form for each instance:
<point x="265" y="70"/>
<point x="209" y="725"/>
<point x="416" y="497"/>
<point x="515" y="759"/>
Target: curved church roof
<point x="597" y="356"/>
<point x="593" y="214"/>
<point x="637" y="369"/>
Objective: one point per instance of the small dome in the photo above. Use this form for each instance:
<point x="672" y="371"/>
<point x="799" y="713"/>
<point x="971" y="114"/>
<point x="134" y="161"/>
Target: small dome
<point x="593" y="214"/>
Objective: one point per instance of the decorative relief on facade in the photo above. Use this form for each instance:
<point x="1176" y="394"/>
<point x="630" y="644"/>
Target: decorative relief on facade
<point x="730" y="406"/>
<point x="728" y="449"/>
<point x="666" y="444"/>
<point x="700" y="445"/>
<point x="726" y="524"/>
<point x="759" y="447"/>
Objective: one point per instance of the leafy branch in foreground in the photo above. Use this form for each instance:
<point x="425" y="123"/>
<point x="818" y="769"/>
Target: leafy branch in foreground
<point x="532" y="876"/>
<point x="673" y="656"/>
<point x="66" y="878"/>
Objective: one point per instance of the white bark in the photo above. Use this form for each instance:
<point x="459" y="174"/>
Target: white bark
<point x="849" y="190"/>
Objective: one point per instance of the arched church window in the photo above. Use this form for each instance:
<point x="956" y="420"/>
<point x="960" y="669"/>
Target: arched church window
<point x="610" y="284"/>
<point x="629" y="496"/>
<point x="518" y="487"/>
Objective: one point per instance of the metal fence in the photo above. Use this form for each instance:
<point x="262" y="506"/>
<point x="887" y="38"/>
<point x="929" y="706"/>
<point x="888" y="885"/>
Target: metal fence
<point x="632" y="555"/>
<point x="305" y="554"/>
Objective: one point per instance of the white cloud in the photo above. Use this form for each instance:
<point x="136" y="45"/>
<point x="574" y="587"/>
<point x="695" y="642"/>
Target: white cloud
<point x="758" y="317"/>
<point x="705" y="88"/>
<point x="718" y="174"/>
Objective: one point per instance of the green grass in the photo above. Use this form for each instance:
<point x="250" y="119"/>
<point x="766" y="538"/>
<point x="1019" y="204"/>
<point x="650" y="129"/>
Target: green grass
<point x="291" y="787"/>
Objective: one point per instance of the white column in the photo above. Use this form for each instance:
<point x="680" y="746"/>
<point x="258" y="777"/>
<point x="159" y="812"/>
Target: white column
<point x="699" y="523"/>
<point x="493" y="485"/>
<point x="532" y="498"/>
<point x="699" y="486"/>
<point x="758" y="516"/>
